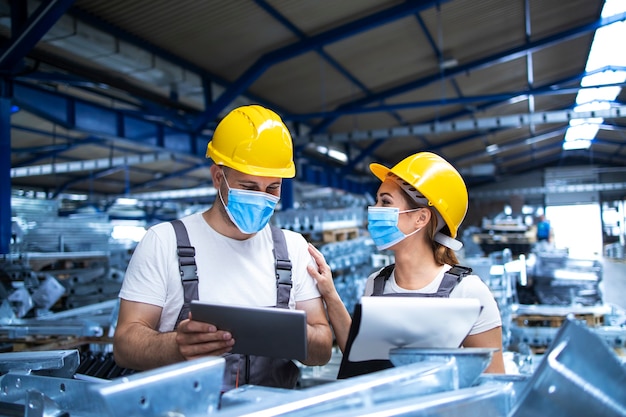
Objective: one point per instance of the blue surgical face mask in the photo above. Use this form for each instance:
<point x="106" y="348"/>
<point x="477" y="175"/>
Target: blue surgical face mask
<point x="249" y="210"/>
<point x="382" y="223"/>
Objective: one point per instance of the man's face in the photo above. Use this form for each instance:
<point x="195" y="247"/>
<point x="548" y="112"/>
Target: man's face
<point x="236" y="179"/>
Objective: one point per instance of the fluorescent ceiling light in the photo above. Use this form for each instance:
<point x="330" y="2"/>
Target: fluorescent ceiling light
<point x="491" y="149"/>
<point x="576" y="144"/>
<point x="126" y="201"/>
<point x="332" y="153"/>
<point x="603" y="53"/>
<point x="586" y="131"/>
<point x="73" y="197"/>
<point x="174" y="194"/>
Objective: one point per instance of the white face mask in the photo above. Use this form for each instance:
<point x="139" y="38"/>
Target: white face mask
<point x="382" y="223"/>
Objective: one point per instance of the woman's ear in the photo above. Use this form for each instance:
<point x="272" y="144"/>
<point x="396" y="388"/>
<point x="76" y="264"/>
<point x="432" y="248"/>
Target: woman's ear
<point x="423" y="216"/>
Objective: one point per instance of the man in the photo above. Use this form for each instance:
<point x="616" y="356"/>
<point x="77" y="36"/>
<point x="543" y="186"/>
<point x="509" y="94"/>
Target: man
<point x="252" y="151"/>
<point x="544" y="231"/>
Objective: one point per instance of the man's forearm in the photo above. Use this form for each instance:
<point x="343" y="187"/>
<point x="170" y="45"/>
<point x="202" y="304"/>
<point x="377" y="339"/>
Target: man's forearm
<point x="141" y="348"/>
<point x="319" y="345"/>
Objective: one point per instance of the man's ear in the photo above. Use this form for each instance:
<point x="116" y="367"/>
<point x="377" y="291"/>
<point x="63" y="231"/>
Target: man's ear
<point x="217" y="175"/>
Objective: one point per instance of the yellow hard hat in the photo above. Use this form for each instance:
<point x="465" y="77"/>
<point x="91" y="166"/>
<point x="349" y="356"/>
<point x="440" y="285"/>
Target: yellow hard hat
<point x="253" y="140"/>
<point x="437" y="180"/>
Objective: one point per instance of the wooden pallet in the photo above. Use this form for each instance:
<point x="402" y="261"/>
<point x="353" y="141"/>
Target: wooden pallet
<point x="537" y="320"/>
<point x="338" y="235"/>
<point x="538" y="350"/>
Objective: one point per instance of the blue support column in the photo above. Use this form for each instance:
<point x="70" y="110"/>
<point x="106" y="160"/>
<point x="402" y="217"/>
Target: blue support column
<point x="5" y="166"/>
<point x="286" y="194"/>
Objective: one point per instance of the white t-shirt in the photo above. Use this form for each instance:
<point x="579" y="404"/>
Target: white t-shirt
<point x="471" y="286"/>
<point x="230" y="271"/>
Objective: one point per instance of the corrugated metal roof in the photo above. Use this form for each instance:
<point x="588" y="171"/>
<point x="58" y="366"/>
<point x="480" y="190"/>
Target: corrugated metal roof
<point x="326" y="62"/>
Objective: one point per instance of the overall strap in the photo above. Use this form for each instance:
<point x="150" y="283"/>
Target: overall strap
<point x="189" y="276"/>
<point x="450" y="279"/>
<point x="187" y="268"/>
<point x="381" y="279"/>
<point x="282" y="267"/>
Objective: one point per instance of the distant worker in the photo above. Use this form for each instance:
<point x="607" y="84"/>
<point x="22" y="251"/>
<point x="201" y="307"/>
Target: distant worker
<point x="238" y="257"/>
<point x="543" y="229"/>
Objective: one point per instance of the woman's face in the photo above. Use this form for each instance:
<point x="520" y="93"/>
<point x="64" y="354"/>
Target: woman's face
<point x="391" y="195"/>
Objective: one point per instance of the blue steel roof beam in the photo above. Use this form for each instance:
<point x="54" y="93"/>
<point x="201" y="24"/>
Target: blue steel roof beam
<point x="93" y="118"/>
<point x="41" y="154"/>
<point x="554" y="85"/>
<point x="19" y="17"/>
<point x="500" y="57"/>
<point x="37" y="25"/>
<point x="509" y="146"/>
<point x="89" y="78"/>
<point x="492" y="98"/>
<point x="152" y="112"/>
<point x="613" y="127"/>
<point x="547" y="89"/>
<point x="5" y="164"/>
<point x="328" y="176"/>
<point x="330" y="60"/>
<point x="551" y="88"/>
<point x="72" y="143"/>
<point x="55" y="77"/>
<point x="602" y="157"/>
<point x="92" y="176"/>
<point x="302" y="36"/>
<point x="436" y="50"/>
<point x="464" y="139"/>
<point x="165" y="54"/>
<point x="312" y="43"/>
<point x="109" y="171"/>
<point x="614" y="156"/>
<point x="530" y="72"/>
<point x="173" y="175"/>
<point x="47" y="149"/>
<point x="362" y="155"/>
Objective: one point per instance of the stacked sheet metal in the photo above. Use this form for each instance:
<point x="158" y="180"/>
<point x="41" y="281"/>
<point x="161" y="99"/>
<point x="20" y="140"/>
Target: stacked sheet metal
<point x="579" y="376"/>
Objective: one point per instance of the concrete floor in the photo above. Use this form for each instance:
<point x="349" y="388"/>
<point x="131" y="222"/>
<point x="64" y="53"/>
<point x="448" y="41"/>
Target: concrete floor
<point x="613" y="283"/>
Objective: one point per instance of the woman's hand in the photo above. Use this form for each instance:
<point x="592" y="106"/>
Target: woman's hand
<point x="322" y="273"/>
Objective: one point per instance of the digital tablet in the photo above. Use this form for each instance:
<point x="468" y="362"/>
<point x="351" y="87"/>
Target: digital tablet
<point x="261" y="331"/>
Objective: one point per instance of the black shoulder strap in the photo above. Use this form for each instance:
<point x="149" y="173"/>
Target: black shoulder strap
<point x="189" y="274"/>
<point x="381" y="279"/>
<point x="282" y="267"/>
<point x="450" y="279"/>
<point x="187" y="267"/>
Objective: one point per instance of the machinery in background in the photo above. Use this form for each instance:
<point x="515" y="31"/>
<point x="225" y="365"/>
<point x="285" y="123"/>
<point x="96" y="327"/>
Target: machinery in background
<point x="536" y="293"/>
<point x="557" y="278"/>
<point x="505" y="231"/>
<point x="61" y="279"/>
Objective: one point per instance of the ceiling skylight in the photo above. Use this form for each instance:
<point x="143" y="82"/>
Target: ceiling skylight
<point x="606" y="52"/>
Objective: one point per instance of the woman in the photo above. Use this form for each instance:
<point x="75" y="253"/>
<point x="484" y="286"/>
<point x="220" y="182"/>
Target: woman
<point x="419" y="207"/>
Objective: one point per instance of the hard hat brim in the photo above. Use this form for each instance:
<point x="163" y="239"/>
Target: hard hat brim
<point x="380" y="171"/>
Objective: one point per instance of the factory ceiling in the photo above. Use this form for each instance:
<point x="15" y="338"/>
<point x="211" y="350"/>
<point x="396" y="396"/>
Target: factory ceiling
<point x="117" y="98"/>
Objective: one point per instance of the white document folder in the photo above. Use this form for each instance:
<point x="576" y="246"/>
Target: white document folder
<point x="392" y="322"/>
